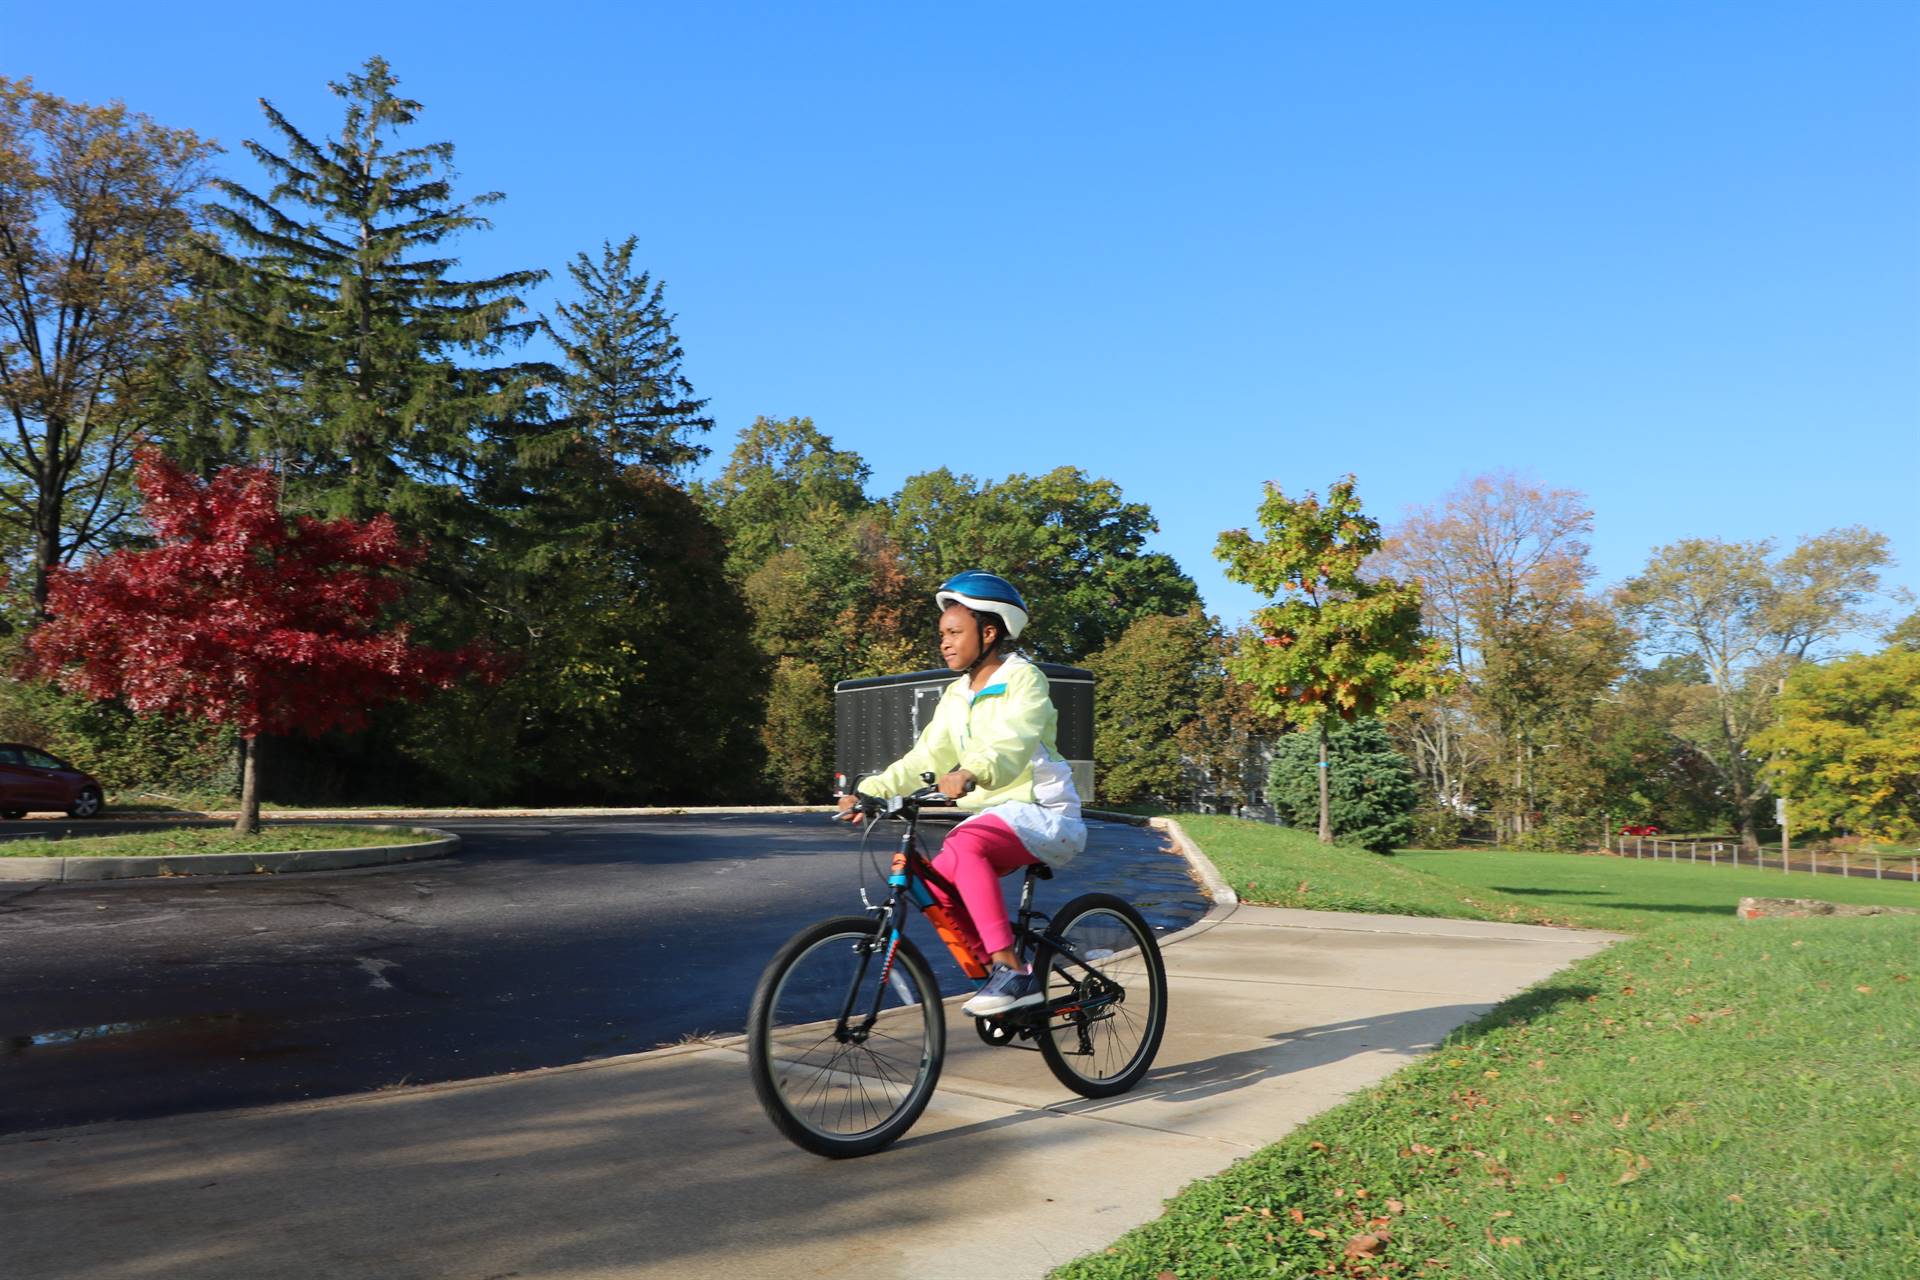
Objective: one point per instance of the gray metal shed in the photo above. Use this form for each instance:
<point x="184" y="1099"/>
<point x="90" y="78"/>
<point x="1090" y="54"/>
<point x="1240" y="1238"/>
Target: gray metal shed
<point x="877" y="718"/>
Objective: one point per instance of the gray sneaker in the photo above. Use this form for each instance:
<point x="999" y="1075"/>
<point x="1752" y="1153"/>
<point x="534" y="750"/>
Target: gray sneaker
<point x="1006" y="989"/>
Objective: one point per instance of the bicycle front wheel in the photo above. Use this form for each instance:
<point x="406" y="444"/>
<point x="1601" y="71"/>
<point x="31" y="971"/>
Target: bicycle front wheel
<point x="844" y="1041"/>
<point x="1106" y="992"/>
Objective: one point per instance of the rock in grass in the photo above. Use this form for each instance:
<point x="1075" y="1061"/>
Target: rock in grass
<point x="1800" y="908"/>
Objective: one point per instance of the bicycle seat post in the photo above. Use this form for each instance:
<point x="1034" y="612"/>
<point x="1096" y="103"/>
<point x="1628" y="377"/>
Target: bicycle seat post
<point x="1035" y="872"/>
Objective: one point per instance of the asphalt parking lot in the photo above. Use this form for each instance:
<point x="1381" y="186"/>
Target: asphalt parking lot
<point x="545" y="941"/>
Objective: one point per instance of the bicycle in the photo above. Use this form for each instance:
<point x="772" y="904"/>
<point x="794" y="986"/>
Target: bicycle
<point x="847" y="1032"/>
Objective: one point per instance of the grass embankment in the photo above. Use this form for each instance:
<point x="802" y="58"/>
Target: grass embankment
<point x="1633" y="894"/>
<point x="1284" y="867"/>
<point x="185" y="840"/>
<point x="1708" y="1098"/>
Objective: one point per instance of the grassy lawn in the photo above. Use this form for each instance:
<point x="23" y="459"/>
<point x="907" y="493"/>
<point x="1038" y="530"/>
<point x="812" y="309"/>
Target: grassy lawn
<point x="1284" y="867"/>
<point x="1629" y="893"/>
<point x="184" y="840"/>
<point x="1710" y="1098"/>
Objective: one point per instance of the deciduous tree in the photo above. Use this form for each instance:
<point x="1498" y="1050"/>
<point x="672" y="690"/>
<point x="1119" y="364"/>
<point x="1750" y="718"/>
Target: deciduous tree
<point x="1072" y="543"/>
<point x="1337" y="643"/>
<point x="1503" y="564"/>
<point x="1749" y="620"/>
<point x="240" y="616"/>
<point x="782" y="472"/>
<point x="1228" y="743"/>
<point x="1149" y="691"/>
<point x="95" y="204"/>
<point x="1846" y="745"/>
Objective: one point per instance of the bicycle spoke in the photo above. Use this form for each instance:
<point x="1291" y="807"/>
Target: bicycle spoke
<point x="845" y="1080"/>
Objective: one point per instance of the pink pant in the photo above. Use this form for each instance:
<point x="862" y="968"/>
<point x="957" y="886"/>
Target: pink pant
<point x="976" y="854"/>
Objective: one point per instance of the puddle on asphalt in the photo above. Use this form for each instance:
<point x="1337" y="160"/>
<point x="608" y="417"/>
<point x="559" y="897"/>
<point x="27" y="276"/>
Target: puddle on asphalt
<point x="108" y="1031"/>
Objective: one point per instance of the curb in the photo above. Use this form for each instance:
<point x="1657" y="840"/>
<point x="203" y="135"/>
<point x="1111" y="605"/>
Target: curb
<point x="79" y="870"/>
<point x="1209" y="875"/>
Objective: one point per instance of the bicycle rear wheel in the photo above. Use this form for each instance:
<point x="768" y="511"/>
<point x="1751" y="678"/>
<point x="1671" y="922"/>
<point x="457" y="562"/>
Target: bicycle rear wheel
<point x="845" y="1049"/>
<point x="1107" y="989"/>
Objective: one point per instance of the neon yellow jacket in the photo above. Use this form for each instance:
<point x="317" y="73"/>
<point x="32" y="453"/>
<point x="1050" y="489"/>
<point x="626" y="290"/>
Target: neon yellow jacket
<point x="993" y="734"/>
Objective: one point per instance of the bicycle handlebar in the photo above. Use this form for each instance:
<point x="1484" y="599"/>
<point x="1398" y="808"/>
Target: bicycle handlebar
<point x="880" y="806"/>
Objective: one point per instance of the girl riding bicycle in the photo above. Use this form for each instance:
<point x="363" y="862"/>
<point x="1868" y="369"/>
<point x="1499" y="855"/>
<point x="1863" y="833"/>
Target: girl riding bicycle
<point x="992" y="740"/>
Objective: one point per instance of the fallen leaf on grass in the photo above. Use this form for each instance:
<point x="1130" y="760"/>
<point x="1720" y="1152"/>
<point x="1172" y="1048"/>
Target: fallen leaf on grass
<point x="1366" y="1246"/>
<point x="1865" y="991"/>
<point x="1636" y="1165"/>
<point x="1316" y="1233"/>
<point x="1737" y="1198"/>
<point x="1394" y="1206"/>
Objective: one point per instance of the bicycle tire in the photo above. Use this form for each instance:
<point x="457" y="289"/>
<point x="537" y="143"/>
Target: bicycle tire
<point x="1106" y="1052"/>
<point x="828" y="1096"/>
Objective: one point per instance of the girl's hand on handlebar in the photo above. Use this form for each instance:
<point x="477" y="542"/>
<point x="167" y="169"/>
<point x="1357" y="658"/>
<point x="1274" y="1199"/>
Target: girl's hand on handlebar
<point x="849" y="808"/>
<point x="956" y="784"/>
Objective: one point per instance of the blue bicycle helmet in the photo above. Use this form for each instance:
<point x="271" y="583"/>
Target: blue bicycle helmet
<point x="986" y="593"/>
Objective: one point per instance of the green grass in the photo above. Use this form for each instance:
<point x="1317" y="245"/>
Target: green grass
<point x="185" y="840"/>
<point x="1706" y="1100"/>
<point x="1630" y="893"/>
<point x="1285" y="867"/>
<point x="1711" y="1098"/>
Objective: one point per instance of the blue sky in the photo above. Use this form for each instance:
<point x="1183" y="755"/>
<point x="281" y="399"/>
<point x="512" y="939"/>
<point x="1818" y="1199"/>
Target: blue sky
<point x="1668" y="255"/>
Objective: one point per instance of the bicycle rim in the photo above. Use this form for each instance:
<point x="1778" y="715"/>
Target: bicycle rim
<point x="845" y="1089"/>
<point x="1105" y="1038"/>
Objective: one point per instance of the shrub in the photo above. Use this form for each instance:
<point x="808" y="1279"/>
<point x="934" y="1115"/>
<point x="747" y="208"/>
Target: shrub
<point x="1557" y="835"/>
<point x="127" y="752"/>
<point x="1371" y="789"/>
<point x="1436" y="827"/>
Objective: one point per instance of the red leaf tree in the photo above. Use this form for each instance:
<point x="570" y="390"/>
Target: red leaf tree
<point x="241" y="616"/>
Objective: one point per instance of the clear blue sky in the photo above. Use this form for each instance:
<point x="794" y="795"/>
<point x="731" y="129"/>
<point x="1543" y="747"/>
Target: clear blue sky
<point x="1666" y="254"/>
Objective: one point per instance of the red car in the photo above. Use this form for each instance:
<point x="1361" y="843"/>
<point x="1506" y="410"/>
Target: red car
<point x="31" y="781"/>
<point x="1639" y="829"/>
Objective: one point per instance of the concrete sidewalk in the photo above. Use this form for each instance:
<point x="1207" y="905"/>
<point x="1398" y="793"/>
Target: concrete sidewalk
<point x="661" y="1164"/>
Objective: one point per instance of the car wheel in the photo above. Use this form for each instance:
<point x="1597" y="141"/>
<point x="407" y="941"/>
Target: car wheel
<point x="13" y="815"/>
<point x="86" y="804"/>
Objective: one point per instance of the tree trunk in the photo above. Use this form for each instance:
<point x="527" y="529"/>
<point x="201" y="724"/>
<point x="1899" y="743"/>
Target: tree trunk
<point x="1742" y="785"/>
<point x="1326" y="817"/>
<point x="249" y="823"/>
<point x="46" y="536"/>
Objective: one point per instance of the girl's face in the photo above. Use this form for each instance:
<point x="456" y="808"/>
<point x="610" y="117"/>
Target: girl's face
<point x="960" y="638"/>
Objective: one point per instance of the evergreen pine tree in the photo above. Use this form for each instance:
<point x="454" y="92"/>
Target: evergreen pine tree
<point x="387" y="383"/>
<point x="1370" y="785"/>
<point x="623" y="384"/>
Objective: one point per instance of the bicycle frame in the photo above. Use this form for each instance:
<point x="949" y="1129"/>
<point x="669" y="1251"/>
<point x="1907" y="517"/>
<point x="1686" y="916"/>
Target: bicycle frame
<point x="909" y="881"/>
